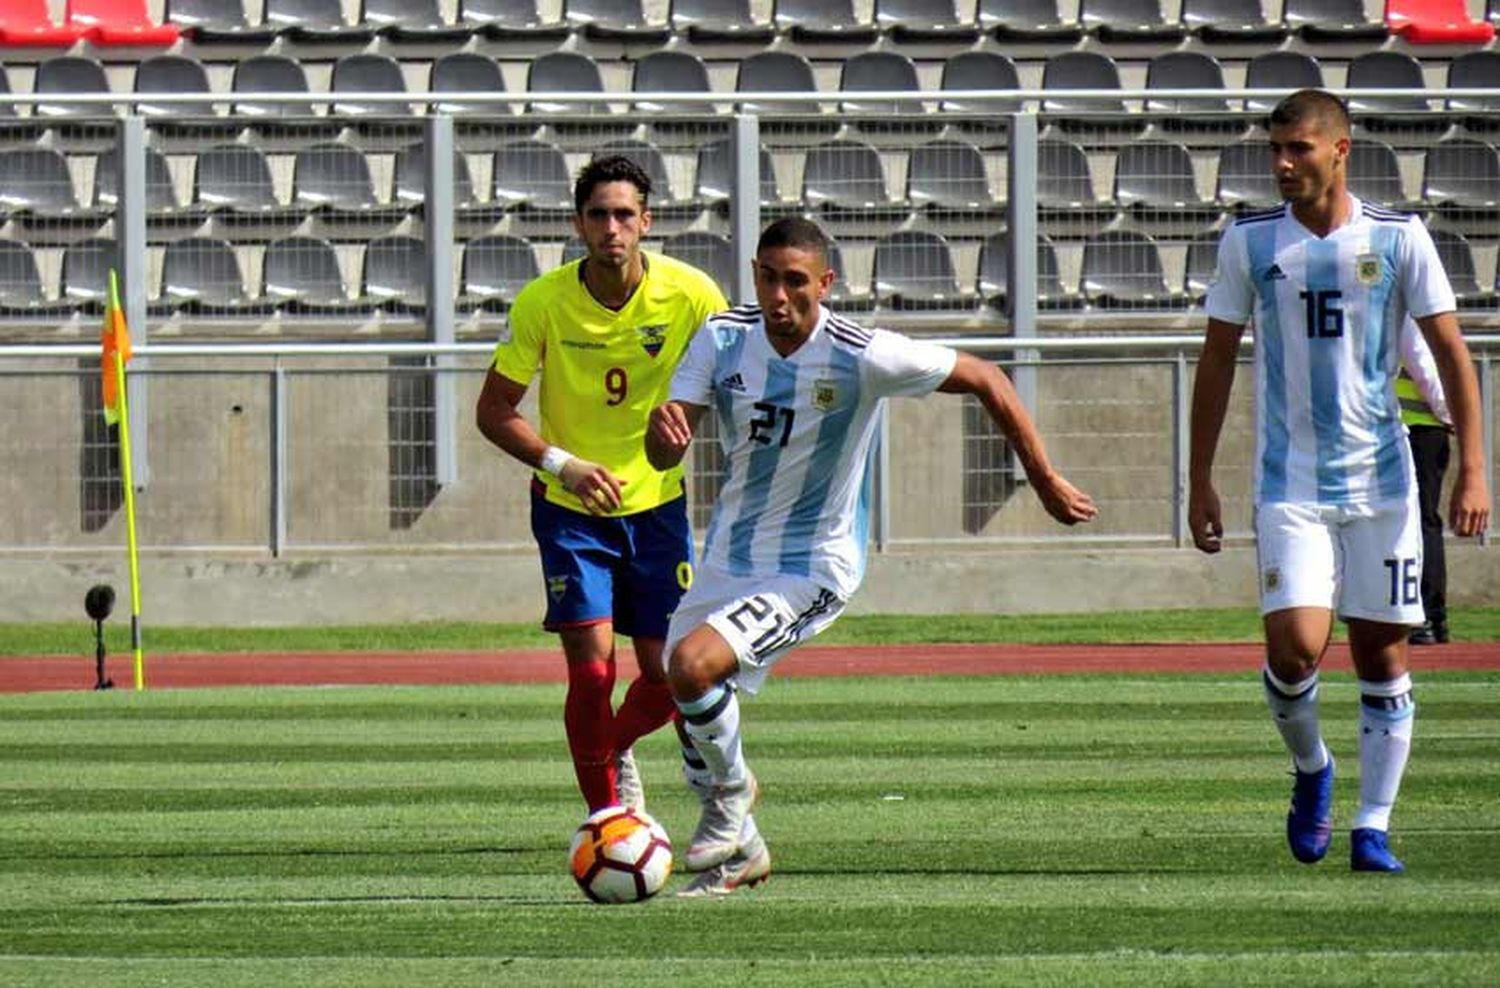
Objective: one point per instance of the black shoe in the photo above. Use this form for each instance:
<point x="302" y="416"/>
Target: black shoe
<point x="1426" y="634"/>
<point x="1440" y="632"/>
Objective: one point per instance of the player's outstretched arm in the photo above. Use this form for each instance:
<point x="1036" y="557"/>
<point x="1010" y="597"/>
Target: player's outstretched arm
<point x="501" y="422"/>
<point x="988" y="383"/>
<point x="670" y="431"/>
<point x="1469" y="506"/>
<point x="1211" y="385"/>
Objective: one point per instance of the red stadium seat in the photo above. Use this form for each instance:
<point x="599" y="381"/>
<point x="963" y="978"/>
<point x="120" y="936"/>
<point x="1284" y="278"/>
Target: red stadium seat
<point x="118" y="22"/>
<point x="1436" y="22"/>
<point x="28" y="22"/>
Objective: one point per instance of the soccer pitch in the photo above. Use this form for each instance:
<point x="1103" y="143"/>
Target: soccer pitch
<point x="935" y="831"/>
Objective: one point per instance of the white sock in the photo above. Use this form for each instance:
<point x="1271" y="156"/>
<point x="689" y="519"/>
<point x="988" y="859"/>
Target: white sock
<point x="1294" y="708"/>
<point x="695" y="770"/>
<point x="713" y="722"/>
<point x="1386" y="713"/>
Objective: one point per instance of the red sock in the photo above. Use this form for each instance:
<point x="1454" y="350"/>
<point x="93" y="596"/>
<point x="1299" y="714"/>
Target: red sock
<point x="590" y="724"/>
<point x="646" y="707"/>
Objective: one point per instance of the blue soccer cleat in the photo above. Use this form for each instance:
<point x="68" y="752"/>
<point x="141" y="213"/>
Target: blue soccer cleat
<point x="1309" y="824"/>
<point x="1368" y="851"/>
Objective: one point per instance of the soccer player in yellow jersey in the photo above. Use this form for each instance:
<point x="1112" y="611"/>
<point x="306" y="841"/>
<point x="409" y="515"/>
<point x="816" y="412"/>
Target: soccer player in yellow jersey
<point x="606" y="333"/>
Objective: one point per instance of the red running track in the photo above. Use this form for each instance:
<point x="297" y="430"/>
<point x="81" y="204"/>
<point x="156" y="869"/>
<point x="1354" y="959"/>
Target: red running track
<point x="25" y="675"/>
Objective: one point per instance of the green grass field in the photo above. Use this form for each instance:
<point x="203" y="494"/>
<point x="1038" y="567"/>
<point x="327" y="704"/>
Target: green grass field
<point x="1065" y="830"/>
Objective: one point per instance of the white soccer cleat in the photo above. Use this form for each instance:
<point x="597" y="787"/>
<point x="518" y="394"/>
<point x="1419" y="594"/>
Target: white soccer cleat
<point x="748" y="867"/>
<point x="718" y="835"/>
<point x="628" y="785"/>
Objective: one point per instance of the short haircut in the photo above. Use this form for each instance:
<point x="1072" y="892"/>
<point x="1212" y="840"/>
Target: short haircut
<point x="1330" y="113"/>
<point x="797" y="232"/>
<point x="610" y="168"/>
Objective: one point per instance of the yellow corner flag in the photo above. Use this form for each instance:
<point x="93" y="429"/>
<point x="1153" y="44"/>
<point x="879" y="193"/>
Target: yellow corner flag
<point x="116" y="340"/>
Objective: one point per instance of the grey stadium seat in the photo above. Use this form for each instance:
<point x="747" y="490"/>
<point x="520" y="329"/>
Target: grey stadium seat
<point x="1189" y="70"/>
<point x="776" y="72"/>
<point x="208" y="22"/>
<point x="1244" y="179"/>
<point x="367" y="72"/>
<point x="1083" y="70"/>
<point x="1231" y="22"/>
<point x="36" y="181"/>
<point x="412" y="20"/>
<point x="844" y="295"/>
<point x="876" y="71"/>
<point x="845" y="175"/>
<point x="1158" y="176"/>
<point x="1375" y="173"/>
<point x="503" y="20"/>
<point x="817" y="21"/>
<point x="202" y="275"/>
<point x="1331" y="20"/>
<point x="495" y="268"/>
<point x="715" y="176"/>
<point x="918" y="21"/>
<point x="237" y="178"/>
<point x="410" y="181"/>
<point x="711" y="21"/>
<point x="79" y="125"/>
<point x="1027" y="21"/>
<point x="1122" y="269"/>
<point x="947" y="176"/>
<point x="914" y="270"/>
<point x="159" y="75"/>
<point x="461" y="72"/>
<point x="1128" y="22"/>
<point x="533" y="174"/>
<point x="314" y="22"/>
<point x="1063" y="180"/>
<point x="710" y="253"/>
<point x="301" y="275"/>
<point x="85" y="273"/>
<point x="564" y="72"/>
<point x="994" y="274"/>
<point x="978" y="70"/>
<point x="1390" y="70"/>
<point x="161" y="195"/>
<point x="269" y="74"/>
<point x="21" y="291"/>
<point x="670" y="72"/>
<point x="336" y="179"/>
<point x="1462" y="174"/>
<point x="1202" y="262"/>
<point x="1285" y="70"/>
<point x="395" y="274"/>
<point x="616" y="20"/>
<point x="1476" y="70"/>
<point x="1458" y="262"/>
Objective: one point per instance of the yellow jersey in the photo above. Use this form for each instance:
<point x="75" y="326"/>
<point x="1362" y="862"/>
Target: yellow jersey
<point x="602" y="371"/>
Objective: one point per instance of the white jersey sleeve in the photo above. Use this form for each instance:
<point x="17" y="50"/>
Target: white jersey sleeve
<point x="899" y="366"/>
<point x="1422" y="367"/>
<point x="1231" y="293"/>
<point x="693" y="382"/>
<point x="1425" y="287"/>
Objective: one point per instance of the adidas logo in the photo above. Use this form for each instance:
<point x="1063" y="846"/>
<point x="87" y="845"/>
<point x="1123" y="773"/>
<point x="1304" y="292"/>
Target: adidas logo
<point x="1274" y="273"/>
<point x="734" y="382"/>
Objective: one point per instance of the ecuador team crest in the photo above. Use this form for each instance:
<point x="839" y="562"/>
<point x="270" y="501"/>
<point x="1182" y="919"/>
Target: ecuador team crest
<point x="557" y="586"/>
<point x="653" y="338"/>
<point x="1367" y="268"/>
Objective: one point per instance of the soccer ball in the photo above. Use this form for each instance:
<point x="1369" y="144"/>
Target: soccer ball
<point x="620" y="854"/>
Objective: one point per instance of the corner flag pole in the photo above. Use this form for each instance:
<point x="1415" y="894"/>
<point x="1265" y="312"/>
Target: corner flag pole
<point x="117" y="411"/>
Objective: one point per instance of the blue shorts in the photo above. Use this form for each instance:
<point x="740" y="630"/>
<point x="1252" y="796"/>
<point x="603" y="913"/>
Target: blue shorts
<point x="631" y="569"/>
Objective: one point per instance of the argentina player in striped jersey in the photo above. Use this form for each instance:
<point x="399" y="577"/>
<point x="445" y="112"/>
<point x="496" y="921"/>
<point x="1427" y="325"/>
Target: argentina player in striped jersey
<point x="1328" y="281"/>
<point x="797" y="391"/>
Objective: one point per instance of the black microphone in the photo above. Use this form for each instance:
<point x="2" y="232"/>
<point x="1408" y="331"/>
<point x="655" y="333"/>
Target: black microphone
<point x="99" y="601"/>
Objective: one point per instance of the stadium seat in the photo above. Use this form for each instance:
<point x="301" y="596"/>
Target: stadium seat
<point x="1084" y="70"/>
<point x="1202" y="263"/>
<point x="818" y="21"/>
<point x="564" y="72"/>
<point x="713" y="21"/>
<point x="845" y="294"/>
<point x="461" y="72"/>
<point x="1156" y="177"/>
<point x="1385" y="70"/>
<point x="36" y="182"/>
<point x="367" y="72"/>
<point x="201" y="275"/>
<point x="1040" y="21"/>
<point x="1128" y="22"/>
<point x="210" y="22"/>
<point x="994" y="274"/>
<point x="1375" y="176"/>
<point x="1245" y="181"/>
<point x="334" y="180"/>
<point x="879" y="71"/>
<point x="715" y="177"/>
<point x="776" y="72"/>
<point x="21" y="291"/>
<point x="70" y="75"/>
<point x="671" y="72"/>
<point x="1462" y="174"/>
<point x="494" y="269"/>
<point x="533" y="175"/>
<point x="413" y="21"/>
<point x="271" y="74"/>
<point x="29" y="24"/>
<point x="1189" y="70"/>
<point x="236" y="179"/>
<point x="1123" y="270"/>
<point x="846" y="176"/>
<point x="15" y="129"/>
<point x="946" y="180"/>
<point x="395" y="274"/>
<point x="1458" y="262"/>
<point x="918" y="21"/>
<point x="313" y="22"/>
<point x="616" y="20"/>
<point x="1332" y="21"/>
<point x="1063" y="180"/>
<point x="710" y="253"/>
<point x="161" y="76"/>
<point x="1231" y="22"/>
<point x="509" y="20"/>
<point x="301" y="276"/>
<point x="1476" y="70"/>
<point x="85" y="273"/>
<point x="119" y="22"/>
<point x="161" y="195"/>
<point x="914" y="270"/>
<point x="1436" y="22"/>
<point x="978" y="70"/>
<point x="1282" y="70"/>
<point x="410" y="178"/>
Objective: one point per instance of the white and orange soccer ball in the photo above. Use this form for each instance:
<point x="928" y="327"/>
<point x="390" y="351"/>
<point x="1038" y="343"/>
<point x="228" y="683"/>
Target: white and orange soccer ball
<point x="620" y="854"/>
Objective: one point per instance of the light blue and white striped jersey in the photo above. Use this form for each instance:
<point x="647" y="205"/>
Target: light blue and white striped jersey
<point x="1328" y="313"/>
<point x="797" y="432"/>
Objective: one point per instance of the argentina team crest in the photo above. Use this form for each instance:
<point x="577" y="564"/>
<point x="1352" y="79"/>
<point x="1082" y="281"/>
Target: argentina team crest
<point x="825" y="394"/>
<point x="653" y="338"/>
<point x="1367" y="268"/>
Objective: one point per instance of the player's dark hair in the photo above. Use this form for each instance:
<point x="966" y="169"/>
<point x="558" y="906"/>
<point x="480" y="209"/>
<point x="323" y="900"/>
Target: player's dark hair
<point x="1313" y="105"/>
<point x="797" y="232"/>
<point x="611" y="168"/>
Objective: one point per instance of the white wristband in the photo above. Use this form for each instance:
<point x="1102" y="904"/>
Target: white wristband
<point x="554" y="458"/>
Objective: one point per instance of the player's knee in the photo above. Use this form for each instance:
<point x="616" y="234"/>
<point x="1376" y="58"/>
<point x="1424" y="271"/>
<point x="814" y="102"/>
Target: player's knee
<point x="591" y="677"/>
<point x="692" y="669"/>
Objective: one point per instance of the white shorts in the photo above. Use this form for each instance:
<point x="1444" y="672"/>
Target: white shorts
<point x="761" y="619"/>
<point x="1360" y="561"/>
